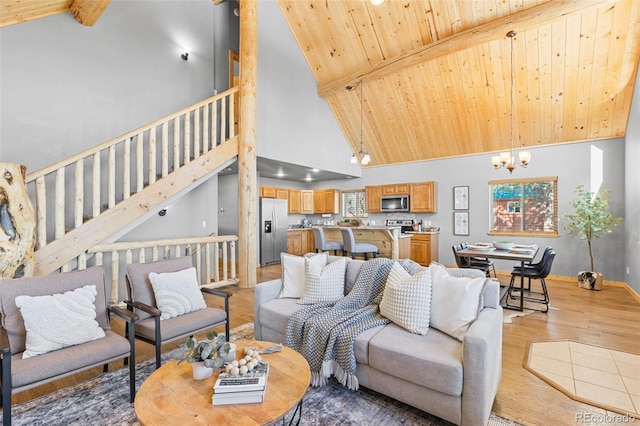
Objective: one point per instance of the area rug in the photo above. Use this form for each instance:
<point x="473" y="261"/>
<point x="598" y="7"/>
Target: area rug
<point x="595" y="375"/>
<point x="104" y="401"/>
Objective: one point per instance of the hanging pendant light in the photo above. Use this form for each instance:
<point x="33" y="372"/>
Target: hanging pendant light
<point x="363" y="156"/>
<point x="506" y="159"/>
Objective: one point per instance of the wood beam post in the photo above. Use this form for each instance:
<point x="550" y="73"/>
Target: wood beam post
<point x="87" y="12"/>
<point x="247" y="169"/>
<point x="17" y="223"/>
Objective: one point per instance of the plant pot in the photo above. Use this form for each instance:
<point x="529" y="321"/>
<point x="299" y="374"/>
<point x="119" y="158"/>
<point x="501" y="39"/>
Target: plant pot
<point x="590" y="280"/>
<point x="232" y="353"/>
<point x="201" y="372"/>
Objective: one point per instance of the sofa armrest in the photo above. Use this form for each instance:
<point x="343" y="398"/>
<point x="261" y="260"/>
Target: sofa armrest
<point x="482" y="366"/>
<point x="263" y="293"/>
<point x="220" y="293"/>
<point x="5" y="346"/>
<point x="491" y="293"/>
<point x="125" y="314"/>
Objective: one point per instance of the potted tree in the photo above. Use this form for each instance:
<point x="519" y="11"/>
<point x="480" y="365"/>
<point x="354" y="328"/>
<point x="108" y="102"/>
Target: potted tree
<point x="590" y="220"/>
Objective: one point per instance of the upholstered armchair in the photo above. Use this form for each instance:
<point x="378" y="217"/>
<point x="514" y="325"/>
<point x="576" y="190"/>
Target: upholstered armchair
<point x="171" y="310"/>
<point x="41" y="342"/>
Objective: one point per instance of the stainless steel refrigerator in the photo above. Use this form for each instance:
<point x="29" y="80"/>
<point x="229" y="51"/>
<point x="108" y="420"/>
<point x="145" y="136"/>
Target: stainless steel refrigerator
<point x="273" y="229"/>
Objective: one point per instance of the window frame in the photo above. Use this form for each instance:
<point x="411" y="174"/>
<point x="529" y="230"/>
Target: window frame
<point x="522" y="182"/>
<point x="360" y="194"/>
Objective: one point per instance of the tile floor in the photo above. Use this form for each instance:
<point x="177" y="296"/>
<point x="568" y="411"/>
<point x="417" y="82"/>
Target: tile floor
<point x="598" y="376"/>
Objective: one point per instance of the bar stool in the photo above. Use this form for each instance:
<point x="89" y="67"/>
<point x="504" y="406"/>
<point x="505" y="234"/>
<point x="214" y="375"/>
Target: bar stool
<point x="321" y="244"/>
<point x="350" y="246"/>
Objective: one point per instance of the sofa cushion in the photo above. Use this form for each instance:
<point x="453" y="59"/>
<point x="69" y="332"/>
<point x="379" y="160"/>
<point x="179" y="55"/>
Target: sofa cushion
<point x="407" y="299"/>
<point x="182" y="325"/>
<point x="275" y="313"/>
<point x="59" y="320"/>
<point x="323" y="283"/>
<point x="434" y="360"/>
<point x="293" y="275"/>
<point x="353" y="269"/>
<point x="361" y="344"/>
<point x="455" y="301"/>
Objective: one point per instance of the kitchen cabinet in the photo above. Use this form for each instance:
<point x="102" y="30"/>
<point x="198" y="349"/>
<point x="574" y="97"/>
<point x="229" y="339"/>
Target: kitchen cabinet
<point x="424" y="248"/>
<point x="373" y="194"/>
<point x="326" y="201"/>
<point x="396" y="189"/>
<point x="282" y="193"/>
<point x="268" y="192"/>
<point x="306" y="200"/>
<point x="295" y="202"/>
<point x="423" y="197"/>
<point x="300" y="241"/>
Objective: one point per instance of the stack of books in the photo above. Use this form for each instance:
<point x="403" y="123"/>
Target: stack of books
<point x="245" y="389"/>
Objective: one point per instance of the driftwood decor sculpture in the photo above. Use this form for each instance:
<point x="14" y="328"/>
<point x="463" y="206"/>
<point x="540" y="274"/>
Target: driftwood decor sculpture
<point x="17" y="223"/>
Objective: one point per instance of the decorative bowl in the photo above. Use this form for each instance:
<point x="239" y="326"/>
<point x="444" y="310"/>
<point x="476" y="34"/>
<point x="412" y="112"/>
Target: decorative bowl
<point x="503" y="245"/>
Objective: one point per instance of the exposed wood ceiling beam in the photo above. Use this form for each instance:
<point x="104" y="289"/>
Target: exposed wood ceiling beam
<point x="530" y="18"/>
<point x="87" y="12"/>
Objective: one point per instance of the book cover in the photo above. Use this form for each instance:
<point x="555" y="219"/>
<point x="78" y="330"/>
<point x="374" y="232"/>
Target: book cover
<point x="254" y="380"/>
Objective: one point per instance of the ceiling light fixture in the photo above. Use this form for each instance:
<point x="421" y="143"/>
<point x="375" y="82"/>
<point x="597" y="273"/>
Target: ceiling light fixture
<point x="362" y="156"/>
<point x="377" y="2"/>
<point x="506" y="159"/>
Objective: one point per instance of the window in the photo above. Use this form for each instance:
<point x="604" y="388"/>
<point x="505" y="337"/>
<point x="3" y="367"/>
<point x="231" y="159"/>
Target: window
<point x="524" y="206"/>
<point x="354" y="203"/>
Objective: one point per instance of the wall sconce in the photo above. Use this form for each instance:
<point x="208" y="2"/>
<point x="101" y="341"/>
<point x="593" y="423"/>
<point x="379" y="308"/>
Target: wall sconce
<point x="185" y="53"/>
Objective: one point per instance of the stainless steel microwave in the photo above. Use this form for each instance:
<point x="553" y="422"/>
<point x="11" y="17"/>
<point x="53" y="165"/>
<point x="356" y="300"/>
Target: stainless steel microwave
<point x="394" y="203"/>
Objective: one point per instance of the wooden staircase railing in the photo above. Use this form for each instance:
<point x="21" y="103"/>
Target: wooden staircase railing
<point x="214" y="259"/>
<point x="112" y="180"/>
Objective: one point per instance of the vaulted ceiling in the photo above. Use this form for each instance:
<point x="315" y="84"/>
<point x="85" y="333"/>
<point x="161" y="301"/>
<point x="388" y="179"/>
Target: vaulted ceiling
<point x="433" y="76"/>
<point x="436" y="73"/>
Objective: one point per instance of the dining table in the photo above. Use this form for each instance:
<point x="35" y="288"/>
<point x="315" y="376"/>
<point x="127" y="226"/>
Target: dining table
<point x="519" y="253"/>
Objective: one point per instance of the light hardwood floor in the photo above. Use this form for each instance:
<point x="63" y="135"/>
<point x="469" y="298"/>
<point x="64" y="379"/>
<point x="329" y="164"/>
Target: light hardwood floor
<point x="607" y="318"/>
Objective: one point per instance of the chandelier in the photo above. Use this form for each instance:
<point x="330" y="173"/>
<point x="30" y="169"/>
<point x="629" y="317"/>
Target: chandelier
<point x="363" y="156"/>
<point x="506" y="159"/>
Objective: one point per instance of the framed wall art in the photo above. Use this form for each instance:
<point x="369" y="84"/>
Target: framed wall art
<point x="461" y="198"/>
<point x="461" y="223"/>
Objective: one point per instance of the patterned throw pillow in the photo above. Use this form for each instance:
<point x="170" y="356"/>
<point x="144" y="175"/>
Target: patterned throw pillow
<point x="323" y="283"/>
<point x="177" y="293"/>
<point x="293" y="277"/>
<point x="56" y="321"/>
<point x="407" y="299"/>
<point x="454" y="302"/>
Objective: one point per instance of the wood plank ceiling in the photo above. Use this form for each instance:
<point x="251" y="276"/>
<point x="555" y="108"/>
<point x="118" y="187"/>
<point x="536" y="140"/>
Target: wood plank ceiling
<point x="436" y="73"/>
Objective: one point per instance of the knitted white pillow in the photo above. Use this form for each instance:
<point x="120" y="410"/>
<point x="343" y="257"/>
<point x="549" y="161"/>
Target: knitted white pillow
<point x="454" y="302"/>
<point x="293" y="278"/>
<point x="407" y="299"/>
<point x="177" y="293"/>
<point x="323" y="283"/>
<point x="59" y="320"/>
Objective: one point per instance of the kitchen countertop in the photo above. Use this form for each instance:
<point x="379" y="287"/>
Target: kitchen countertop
<point x="423" y="232"/>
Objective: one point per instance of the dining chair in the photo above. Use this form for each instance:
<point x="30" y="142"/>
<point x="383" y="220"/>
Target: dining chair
<point x="537" y="273"/>
<point x="350" y="246"/>
<point x="545" y="254"/>
<point x="321" y="244"/>
<point x="472" y="262"/>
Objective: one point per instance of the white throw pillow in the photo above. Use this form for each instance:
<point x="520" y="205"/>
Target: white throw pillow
<point x="454" y="301"/>
<point x="407" y="299"/>
<point x="323" y="283"/>
<point x="59" y="320"/>
<point x="177" y="293"/>
<point x="293" y="277"/>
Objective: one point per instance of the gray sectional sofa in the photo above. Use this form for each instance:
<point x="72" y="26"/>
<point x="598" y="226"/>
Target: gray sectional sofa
<point x="456" y="381"/>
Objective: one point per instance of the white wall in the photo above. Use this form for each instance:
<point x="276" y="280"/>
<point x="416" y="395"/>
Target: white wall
<point x="293" y="124"/>
<point x="632" y="193"/>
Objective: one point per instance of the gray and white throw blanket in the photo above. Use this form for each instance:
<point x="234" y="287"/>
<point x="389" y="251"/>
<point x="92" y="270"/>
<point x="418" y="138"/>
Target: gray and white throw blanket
<point x="324" y="333"/>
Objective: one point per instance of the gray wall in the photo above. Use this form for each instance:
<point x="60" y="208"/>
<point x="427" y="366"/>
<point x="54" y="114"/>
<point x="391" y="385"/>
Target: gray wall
<point x="632" y="193"/>
<point x="66" y="87"/>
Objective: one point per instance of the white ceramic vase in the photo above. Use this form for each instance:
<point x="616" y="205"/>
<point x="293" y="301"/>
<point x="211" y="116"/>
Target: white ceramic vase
<point x="201" y="372"/>
<point x="232" y="353"/>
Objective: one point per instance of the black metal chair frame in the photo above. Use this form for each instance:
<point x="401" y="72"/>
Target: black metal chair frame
<point x="540" y="273"/>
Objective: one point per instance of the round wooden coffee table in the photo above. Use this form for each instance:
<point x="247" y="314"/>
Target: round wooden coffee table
<point x="170" y="395"/>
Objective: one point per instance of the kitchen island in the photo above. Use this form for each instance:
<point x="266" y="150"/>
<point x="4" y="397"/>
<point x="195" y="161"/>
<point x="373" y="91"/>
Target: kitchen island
<point x="390" y="241"/>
